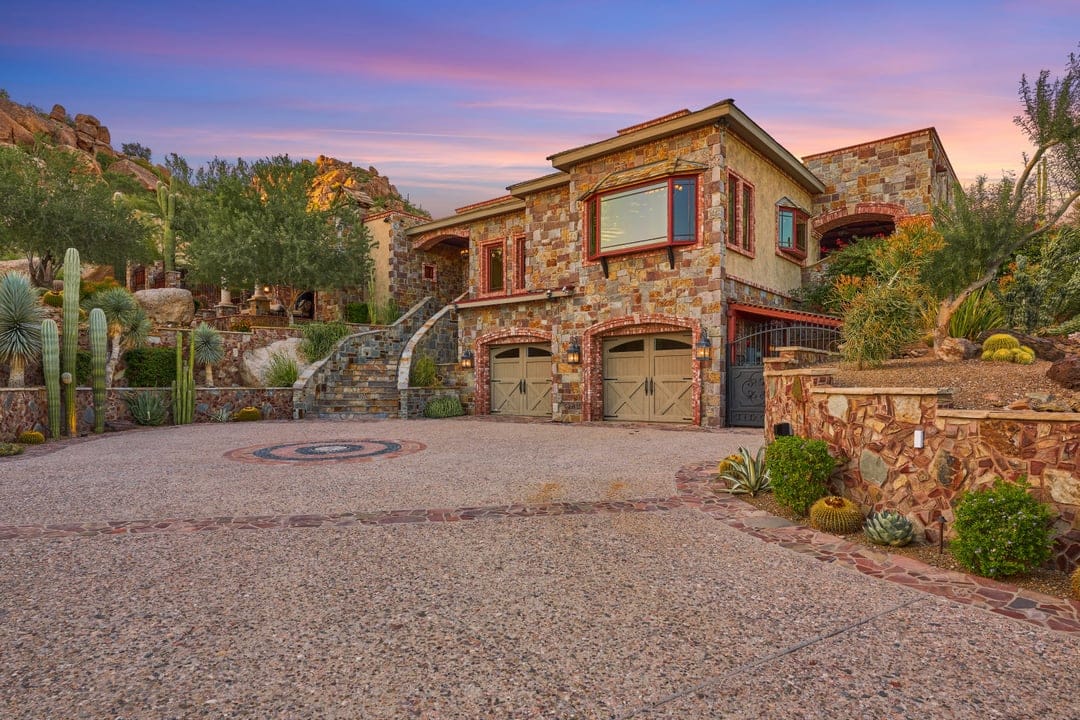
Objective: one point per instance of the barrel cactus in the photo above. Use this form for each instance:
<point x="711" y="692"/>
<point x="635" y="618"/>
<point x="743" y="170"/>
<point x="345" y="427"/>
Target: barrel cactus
<point x="247" y="414"/>
<point x="30" y="437"/>
<point x="889" y="527"/>
<point x="837" y="515"/>
<point x="1000" y="341"/>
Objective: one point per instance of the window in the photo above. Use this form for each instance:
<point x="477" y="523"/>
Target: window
<point x="494" y="269"/>
<point x="430" y="272"/>
<point x="793" y="231"/>
<point x="740" y="215"/>
<point x="643" y="216"/>
<point x="519" y="263"/>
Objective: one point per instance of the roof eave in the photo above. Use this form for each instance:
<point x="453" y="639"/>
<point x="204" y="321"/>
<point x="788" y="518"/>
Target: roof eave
<point x="513" y="205"/>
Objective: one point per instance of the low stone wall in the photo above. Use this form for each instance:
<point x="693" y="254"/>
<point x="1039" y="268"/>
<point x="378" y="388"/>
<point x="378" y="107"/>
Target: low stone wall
<point x="26" y="408"/>
<point x="873" y="431"/>
<point x="228" y="372"/>
<point x="415" y="399"/>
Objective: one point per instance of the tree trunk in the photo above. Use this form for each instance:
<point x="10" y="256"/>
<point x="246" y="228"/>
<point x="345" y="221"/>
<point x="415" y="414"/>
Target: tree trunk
<point x="209" y="375"/>
<point x="949" y="306"/>
<point x="17" y="376"/>
<point x="114" y="360"/>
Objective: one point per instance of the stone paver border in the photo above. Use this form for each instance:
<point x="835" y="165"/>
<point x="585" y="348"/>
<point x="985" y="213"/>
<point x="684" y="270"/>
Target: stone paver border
<point x="693" y="491"/>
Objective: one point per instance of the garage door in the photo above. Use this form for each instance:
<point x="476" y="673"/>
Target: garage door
<point x="648" y="378"/>
<point x="521" y="380"/>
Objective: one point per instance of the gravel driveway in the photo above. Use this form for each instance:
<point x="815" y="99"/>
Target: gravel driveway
<point x="659" y="614"/>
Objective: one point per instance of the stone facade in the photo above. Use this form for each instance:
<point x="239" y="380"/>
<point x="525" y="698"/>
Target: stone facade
<point x="873" y="431"/>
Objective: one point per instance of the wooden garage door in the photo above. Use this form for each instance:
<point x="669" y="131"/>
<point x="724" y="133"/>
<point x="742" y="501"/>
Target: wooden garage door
<point x="648" y="378"/>
<point x="521" y="380"/>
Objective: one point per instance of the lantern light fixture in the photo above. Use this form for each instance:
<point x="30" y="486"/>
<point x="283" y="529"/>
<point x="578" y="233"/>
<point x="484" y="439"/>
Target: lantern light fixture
<point x="703" y="349"/>
<point x="467" y="360"/>
<point x="573" y="353"/>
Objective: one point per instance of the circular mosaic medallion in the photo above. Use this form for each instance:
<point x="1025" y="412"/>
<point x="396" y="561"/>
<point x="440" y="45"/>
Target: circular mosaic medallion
<point x="326" y="451"/>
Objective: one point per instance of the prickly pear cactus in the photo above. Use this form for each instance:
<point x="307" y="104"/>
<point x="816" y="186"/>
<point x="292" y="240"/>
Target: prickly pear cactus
<point x="889" y="527"/>
<point x="837" y="515"/>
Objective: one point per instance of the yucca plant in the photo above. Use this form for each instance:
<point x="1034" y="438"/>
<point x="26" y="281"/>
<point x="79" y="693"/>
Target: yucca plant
<point x="21" y="314"/>
<point x="127" y="323"/>
<point x="746" y="474"/>
<point x="209" y="349"/>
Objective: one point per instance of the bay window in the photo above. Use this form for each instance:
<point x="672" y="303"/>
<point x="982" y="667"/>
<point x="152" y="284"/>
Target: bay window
<point x="656" y="214"/>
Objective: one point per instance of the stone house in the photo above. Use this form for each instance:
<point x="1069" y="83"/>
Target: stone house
<point x="631" y="283"/>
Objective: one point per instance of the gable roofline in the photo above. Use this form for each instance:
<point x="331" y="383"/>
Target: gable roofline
<point x="723" y="113"/>
<point x="472" y="213"/>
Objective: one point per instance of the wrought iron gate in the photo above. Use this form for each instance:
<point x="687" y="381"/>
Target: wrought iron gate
<point x="745" y="358"/>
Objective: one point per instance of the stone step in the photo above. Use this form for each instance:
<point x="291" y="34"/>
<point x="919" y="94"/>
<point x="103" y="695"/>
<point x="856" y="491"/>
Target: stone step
<point x="355" y="416"/>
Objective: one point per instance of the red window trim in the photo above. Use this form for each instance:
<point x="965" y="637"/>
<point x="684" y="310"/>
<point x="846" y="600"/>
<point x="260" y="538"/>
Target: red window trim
<point x="793" y="253"/>
<point x="485" y="269"/>
<point x="433" y="276"/>
<point x="741" y="216"/>
<point x="519" y="264"/>
<point x="592" y="218"/>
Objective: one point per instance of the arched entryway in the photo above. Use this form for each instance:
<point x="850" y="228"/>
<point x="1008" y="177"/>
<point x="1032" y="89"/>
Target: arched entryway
<point x="840" y="228"/>
<point x="641" y="369"/>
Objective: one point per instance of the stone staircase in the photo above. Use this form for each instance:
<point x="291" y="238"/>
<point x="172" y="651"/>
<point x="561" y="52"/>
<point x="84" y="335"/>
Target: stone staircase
<point x="359" y="379"/>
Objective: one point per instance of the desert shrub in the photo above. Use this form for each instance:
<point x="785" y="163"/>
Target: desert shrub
<point x="150" y="367"/>
<point x="30" y="437"/>
<point x="240" y="325"/>
<point x="1002" y="530"/>
<point x="8" y="449"/>
<point x="423" y="372"/>
<point x="799" y="470"/>
<point x="357" y="313"/>
<point x="320" y="338"/>
<point x="247" y="414"/>
<point x="979" y="312"/>
<point x="879" y="323"/>
<point x="147" y="408"/>
<point x="444" y="406"/>
<point x="282" y="371"/>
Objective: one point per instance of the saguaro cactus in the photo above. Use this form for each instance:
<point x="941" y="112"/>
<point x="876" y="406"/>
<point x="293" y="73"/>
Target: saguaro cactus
<point x="72" y="277"/>
<point x="183" y="387"/>
<point x="167" y="205"/>
<point x="50" y="365"/>
<point x="98" y="341"/>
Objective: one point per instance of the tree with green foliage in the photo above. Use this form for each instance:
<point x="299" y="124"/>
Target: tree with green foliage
<point x="136" y="150"/>
<point x="21" y="313"/>
<point x="1042" y="286"/>
<point x="52" y="200"/>
<point x="990" y="222"/>
<point x="261" y="227"/>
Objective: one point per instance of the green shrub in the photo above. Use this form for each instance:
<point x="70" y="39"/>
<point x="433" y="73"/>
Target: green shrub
<point x="357" y="313"/>
<point x="282" y="371"/>
<point x="444" y="406"/>
<point x="799" y="470"/>
<point x="1002" y="530"/>
<point x="320" y="338"/>
<point x="150" y="367"/>
<point x="423" y="372"/>
<point x="30" y="437"/>
<point x="147" y="408"/>
<point x="240" y="325"/>
<point x="8" y="449"/>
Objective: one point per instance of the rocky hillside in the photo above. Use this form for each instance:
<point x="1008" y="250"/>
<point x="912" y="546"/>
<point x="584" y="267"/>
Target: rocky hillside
<point x="21" y="125"/>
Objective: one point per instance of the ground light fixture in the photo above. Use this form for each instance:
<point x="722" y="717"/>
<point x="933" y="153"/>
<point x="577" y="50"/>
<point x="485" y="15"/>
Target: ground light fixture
<point x="467" y="360"/>
<point x="703" y="349"/>
<point x="573" y="353"/>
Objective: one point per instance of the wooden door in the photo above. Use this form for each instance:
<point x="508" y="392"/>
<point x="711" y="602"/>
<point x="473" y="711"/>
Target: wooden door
<point x="648" y="378"/>
<point x="521" y="380"/>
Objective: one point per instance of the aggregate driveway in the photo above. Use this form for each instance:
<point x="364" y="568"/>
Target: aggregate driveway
<point x="666" y="613"/>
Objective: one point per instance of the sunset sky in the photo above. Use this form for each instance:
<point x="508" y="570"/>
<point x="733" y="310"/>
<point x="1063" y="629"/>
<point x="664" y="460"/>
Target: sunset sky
<point x="454" y="101"/>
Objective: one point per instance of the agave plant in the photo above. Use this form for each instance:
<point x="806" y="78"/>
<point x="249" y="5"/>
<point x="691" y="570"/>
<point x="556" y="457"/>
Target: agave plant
<point x="209" y="349"/>
<point x="21" y="314"/>
<point x="746" y="474"/>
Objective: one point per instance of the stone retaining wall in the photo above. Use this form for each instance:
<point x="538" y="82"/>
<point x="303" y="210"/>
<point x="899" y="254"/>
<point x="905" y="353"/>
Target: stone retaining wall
<point x="873" y="431"/>
<point x="26" y="409"/>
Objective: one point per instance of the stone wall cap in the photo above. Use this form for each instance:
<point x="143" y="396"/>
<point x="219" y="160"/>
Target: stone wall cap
<point x="1026" y="415"/>
<point x="833" y="390"/>
<point x="799" y="371"/>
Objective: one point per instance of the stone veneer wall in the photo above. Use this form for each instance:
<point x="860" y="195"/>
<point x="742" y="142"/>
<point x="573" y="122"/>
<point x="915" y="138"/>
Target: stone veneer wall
<point x="872" y="429"/>
<point x="407" y="270"/>
<point x="26" y="409"/>
<point x="227" y="373"/>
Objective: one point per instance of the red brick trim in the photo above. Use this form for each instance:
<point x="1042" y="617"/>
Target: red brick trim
<point x="433" y="238"/>
<point x="592" y="356"/>
<point x="842" y="216"/>
<point x="482" y="362"/>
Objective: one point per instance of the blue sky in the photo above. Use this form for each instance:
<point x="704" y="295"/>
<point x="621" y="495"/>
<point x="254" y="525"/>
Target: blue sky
<point x="454" y="101"/>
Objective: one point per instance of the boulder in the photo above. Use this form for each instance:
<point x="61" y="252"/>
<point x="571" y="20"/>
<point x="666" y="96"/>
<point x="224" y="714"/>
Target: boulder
<point x="124" y="166"/>
<point x="1045" y="349"/>
<point x="957" y="349"/>
<point x="12" y="132"/>
<point x="168" y="306"/>
<point x="1066" y="372"/>
<point x="59" y="113"/>
<point x="255" y="362"/>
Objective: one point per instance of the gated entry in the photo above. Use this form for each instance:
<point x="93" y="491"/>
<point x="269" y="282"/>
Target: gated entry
<point x="746" y="367"/>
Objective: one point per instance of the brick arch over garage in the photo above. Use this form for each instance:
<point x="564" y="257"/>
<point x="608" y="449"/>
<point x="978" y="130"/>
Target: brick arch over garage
<point x="482" y="359"/>
<point x="592" y="356"/>
<point x="858" y="219"/>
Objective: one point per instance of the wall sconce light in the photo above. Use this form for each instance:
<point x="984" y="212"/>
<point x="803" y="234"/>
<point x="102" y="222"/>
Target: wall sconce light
<point x="467" y="360"/>
<point x="703" y="349"/>
<point x="266" y="289"/>
<point x="573" y="353"/>
<point x="920" y="438"/>
<point x="464" y="252"/>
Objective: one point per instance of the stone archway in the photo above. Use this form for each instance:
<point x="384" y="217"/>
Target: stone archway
<point x="482" y="367"/>
<point x="592" y="360"/>
<point x="838" y="228"/>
